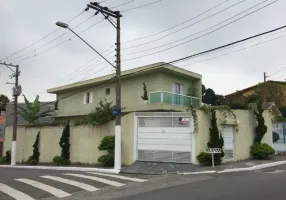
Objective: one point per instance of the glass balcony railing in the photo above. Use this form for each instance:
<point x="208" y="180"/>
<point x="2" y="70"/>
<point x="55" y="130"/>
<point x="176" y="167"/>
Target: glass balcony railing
<point x="174" y="99"/>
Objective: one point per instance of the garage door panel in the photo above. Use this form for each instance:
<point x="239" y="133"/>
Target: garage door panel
<point x="164" y="156"/>
<point x="163" y="130"/>
<point x="165" y="142"/>
<point x="181" y="136"/>
<point x="164" y="147"/>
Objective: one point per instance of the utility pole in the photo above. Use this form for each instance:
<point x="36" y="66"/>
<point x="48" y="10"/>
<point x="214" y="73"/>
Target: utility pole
<point x="17" y="90"/>
<point x="115" y="14"/>
<point x="265" y="90"/>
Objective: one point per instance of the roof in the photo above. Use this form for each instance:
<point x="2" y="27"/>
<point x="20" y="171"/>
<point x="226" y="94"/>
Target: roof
<point x="269" y="106"/>
<point x="161" y="66"/>
<point x="251" y="87"/>
<point x="44" y="106"/>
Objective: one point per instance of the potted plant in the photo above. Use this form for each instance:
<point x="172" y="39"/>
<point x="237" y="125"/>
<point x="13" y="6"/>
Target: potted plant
<point x="145" y="94"/>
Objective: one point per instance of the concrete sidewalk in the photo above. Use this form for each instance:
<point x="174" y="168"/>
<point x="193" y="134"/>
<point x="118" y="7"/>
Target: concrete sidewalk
<point x="163" y="168"/>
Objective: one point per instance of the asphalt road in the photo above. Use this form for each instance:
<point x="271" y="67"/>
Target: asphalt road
<point x="27" y="184"/>
<point x="263" y="185"/>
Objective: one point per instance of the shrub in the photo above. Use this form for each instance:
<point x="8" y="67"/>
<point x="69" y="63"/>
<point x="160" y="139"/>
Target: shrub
<point x="32" y="161"/>
<point x="275" y="136"/>
<point x="107" y="160"/>
<point x="107" y="144"/>
<point x="145" y="92"/>
<point x="8" y="156"/>
<point x="3" y="160"/>
<point x="261" y="151"/>
<point x="65" y="142"/>
<point x="102" y="114"/>
<point x="58" y="160"/>
<point x="204" y="158"/>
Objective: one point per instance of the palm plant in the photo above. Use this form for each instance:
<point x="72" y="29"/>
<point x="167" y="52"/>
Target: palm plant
<point x="31" y="113"/>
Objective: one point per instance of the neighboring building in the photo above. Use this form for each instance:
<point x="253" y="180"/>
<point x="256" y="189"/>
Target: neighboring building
<point x="44" y="106"/>
<point x="251" y="90"/>
<point x="170" y="88"/>
<point x="2" y="129"/>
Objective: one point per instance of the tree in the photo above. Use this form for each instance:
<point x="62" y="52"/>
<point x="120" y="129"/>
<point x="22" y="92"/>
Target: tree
<point x="36" y="153"/>
<point x="31" y="113"/>
<point x="260" y="129"/>
<point x="211" y="98"/>
<point x="65" y="142"/>
<point x="4" y="100"/>
<point x="216" y="140"/>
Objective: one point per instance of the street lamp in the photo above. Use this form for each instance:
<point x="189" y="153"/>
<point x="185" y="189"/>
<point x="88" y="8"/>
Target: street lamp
<point x="64" y="25"/>
<point x="117" y="157"/>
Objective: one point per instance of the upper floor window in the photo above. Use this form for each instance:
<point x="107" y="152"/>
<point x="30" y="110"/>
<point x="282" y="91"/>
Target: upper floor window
<point x="107" y="91"/>
<point x="87" y="98"/>
<point x="2" y="112"/>
<point x="178" y="88"/>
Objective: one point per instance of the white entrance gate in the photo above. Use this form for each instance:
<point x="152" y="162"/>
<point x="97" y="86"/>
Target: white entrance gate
<point x="228" y="136"/>
<point x="164" y="137"/>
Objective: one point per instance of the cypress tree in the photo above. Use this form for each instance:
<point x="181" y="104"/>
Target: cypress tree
<point x="65" y="142"/>
<point x="36" y="153"/>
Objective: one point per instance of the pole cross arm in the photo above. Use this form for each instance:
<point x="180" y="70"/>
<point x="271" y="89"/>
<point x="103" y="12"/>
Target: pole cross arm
<point x="105" y="10"/>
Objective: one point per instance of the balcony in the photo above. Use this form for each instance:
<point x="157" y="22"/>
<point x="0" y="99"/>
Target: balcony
<point x="174" y="99"/>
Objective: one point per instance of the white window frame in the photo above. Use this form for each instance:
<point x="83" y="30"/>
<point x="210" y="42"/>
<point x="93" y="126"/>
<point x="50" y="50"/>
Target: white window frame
<point x="90" y="96"/>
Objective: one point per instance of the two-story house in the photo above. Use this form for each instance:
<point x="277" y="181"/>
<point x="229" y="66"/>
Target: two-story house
<point x="170" y="88"/>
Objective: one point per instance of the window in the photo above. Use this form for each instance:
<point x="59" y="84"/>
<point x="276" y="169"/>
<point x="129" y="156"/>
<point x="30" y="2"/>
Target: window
<point x="107" y="91"/>
<point x="2" y="112"/>
<point x="87" y="98"/>
<point x="178" y="88"/>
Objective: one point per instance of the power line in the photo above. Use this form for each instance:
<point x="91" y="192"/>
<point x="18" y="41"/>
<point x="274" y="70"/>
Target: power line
<point x="6" y="57"/>
<point x="184" y="58"/>
<point x="217" y="5"/>
<point x="148" y="4"/>
<point x="122" y="4"/>
<point x="199" y="31"/>
<point x="59" y="43"/>
<point x="200" y="35"/>
<point x="160" y="38"/>
<point x="237" y="50"/>
<point x="36" y="49"/>
<point x="277" y="72"/>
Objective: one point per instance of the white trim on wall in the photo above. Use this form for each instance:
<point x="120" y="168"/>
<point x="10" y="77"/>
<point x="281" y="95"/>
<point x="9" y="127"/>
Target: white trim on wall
<point x="135" y="138"/>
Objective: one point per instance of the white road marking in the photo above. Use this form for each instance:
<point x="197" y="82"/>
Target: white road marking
<point x="119" y="177"/>
<point x="108" y="182"/>
<point x="14" y="193"/>
<point x="71" y="182"/>
<point x="276" y="172"/>
<point x="54" y="191"/>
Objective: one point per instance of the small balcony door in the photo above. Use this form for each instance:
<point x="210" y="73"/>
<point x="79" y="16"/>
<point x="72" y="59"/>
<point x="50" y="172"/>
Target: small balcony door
<point x="177" y="90"/>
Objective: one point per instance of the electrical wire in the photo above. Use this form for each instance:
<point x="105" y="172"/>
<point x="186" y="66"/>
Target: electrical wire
<point x="237" y="50"/>
<point x="122" y="4"/>
<point x="40" y="53"/>
<point x="135" y="46"/>
<point x="36" y="49"/>
<point x="165" y="30"/>
<point x="201" y="35"/>
<point x="183" y="58"/>
<point x="277" y="72"/>
<point x="148" y="4"/>
<point x="32" y="44"/>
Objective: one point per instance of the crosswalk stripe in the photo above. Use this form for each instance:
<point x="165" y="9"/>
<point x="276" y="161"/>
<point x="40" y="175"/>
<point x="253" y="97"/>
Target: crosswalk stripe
<point x="119" y="177"/>
<point x="54" y="191"/>
<point x="14" y="193"/>
<point x="108" y="182"/>
<point x="71" y="182"/>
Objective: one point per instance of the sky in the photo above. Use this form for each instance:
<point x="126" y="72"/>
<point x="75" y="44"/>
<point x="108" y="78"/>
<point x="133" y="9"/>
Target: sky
<point x="58" y="60"/>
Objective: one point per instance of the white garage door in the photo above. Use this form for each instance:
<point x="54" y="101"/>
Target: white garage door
<point x="164" y="139"/>
<point x="228" y="133"/>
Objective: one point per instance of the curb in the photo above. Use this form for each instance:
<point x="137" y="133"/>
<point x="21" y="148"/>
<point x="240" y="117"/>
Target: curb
<point x="197" y="173"/>
<point x="256" y="167"/>
<point x="111" y="171"/>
